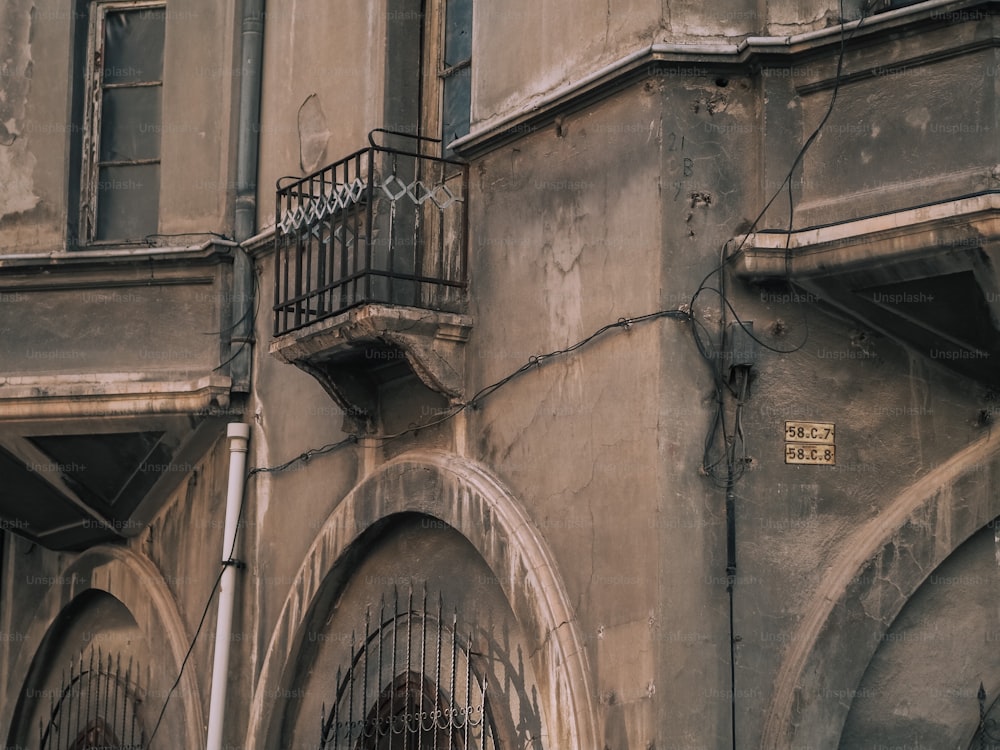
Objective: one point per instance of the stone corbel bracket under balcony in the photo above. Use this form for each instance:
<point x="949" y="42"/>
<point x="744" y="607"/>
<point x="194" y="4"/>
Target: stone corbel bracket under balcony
<point x="926" y="276"/>
<point x="351" y="353"/>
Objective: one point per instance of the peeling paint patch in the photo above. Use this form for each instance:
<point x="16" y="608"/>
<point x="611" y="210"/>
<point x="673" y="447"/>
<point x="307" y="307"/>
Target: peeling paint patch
<point x="17" y="163"/>
<point x="919" y="117"/>
<point x="313" y="134"/>
<point x="717" y="102"/>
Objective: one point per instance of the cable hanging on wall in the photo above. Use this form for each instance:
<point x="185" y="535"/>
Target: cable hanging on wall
<point x="724" y="465"/>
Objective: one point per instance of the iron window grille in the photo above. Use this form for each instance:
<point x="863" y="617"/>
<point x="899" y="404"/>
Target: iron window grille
<point x="96" y="707"/>
<point x="411" y="684"/>
<point x="381" y="225"/>
<point x="988" y="732"/>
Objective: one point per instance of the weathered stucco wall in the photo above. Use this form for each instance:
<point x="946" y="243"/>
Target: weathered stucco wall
<point x="155" y="589"/>
<point x="615" y="538"/>
<point x="33" y="139"/>
<point x="922" y="685"/>
<point x="323" y="87"/>
<point x="196" y="142"/>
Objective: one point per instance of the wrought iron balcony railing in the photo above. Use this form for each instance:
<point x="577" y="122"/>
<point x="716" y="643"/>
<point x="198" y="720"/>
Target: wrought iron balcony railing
<point x="379" y="226"/>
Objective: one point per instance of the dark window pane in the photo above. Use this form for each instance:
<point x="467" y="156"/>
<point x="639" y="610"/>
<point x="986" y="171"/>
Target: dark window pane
<point x="457" y="101"/>
<point x="458" y="32"/>
<point x="133" y="45"/>
<point x="128" y="202"/>
<point x="130" y="124"/>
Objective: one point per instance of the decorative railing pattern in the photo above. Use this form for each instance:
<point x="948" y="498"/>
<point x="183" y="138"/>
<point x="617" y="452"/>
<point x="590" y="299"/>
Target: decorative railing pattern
<point x="95" y="708"/>
<point x="379" y="226"/>
<point x="410" y="684"/>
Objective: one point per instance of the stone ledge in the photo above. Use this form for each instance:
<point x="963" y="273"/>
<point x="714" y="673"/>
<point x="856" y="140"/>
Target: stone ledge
<point x="964" y="223"/>
<point x="112" y="394"/>
<point x="431" y="341"/>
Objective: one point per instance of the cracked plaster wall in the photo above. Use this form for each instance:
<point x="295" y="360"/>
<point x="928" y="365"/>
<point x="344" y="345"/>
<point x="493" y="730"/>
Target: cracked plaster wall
<point x="18" y="192"/>
<point x="616" y="207"/>
<point x="922" y="683"/>
<point x="620" y="209"/>
<point x="796" y="523"/>
<point x="36" y="129"/>
<point x="525" y="49"/>
<point x="348" y="92"/>
<point x="163" y="576"/>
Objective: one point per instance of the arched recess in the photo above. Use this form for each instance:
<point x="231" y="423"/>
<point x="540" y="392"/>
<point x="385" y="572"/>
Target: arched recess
<point x="136" y="583"/>
<point x="880" y="568"/>
<point x="921" y="687"/>
<point x="476" y="505"/>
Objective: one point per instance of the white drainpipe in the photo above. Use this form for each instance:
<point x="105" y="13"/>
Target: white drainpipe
<point x="238" y="434"/>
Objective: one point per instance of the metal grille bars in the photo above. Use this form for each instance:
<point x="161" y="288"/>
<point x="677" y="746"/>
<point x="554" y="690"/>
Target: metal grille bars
<point x="410" y="684"/>
<point x="381" y="225"/>
<point x="96" y="708"/>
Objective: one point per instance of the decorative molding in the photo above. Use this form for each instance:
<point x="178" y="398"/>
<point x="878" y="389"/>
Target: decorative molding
<point x="211" y="251"/>
<point x="929" y="520"/>
<point x="747" y="56"/>
<point x="477" y="506"/>
<point x="74" y="396"/>
<point x="967" y="222"/>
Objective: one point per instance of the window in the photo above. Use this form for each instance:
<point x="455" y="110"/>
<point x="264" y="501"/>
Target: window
<point x="456" y="71"/>
<point x="120" y="170"/>
<point x="428" y="83"/>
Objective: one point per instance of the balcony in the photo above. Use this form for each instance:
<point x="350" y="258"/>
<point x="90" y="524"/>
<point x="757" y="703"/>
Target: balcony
<point x="119" y="374"/>
<point x="371" y="261"/>
<point x="925" y="277"/>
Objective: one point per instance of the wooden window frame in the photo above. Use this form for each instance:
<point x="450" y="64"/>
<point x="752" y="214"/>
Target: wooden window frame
<point x="90" y="167"/>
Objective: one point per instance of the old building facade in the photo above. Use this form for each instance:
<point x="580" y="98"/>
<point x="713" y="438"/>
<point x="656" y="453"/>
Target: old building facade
<point x="616" y="375"/>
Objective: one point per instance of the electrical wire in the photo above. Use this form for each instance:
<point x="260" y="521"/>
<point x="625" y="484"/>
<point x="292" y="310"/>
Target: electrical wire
<point x="786" y="183"/>
<point x="251" y="308"/>
<point x="710" y="351"/>
<point x="180" y="672"/>
<point x="476" y="400"/>
<point x="734" y="445"/>
<point x="254" y="305"/>
<point x="208" y="605"/>
<point x="734" y="453"/>
<point x="304" y="457"/>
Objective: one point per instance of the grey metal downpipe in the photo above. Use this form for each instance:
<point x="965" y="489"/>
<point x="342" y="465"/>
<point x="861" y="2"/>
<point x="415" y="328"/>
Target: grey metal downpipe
<point x="245" y="218"/>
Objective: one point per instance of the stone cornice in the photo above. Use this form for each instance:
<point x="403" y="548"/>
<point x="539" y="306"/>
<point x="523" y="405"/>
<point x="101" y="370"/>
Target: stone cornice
<point x="747" y="55"/>
<point x="210" y="252"/>
<point x="972" y="221"/>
